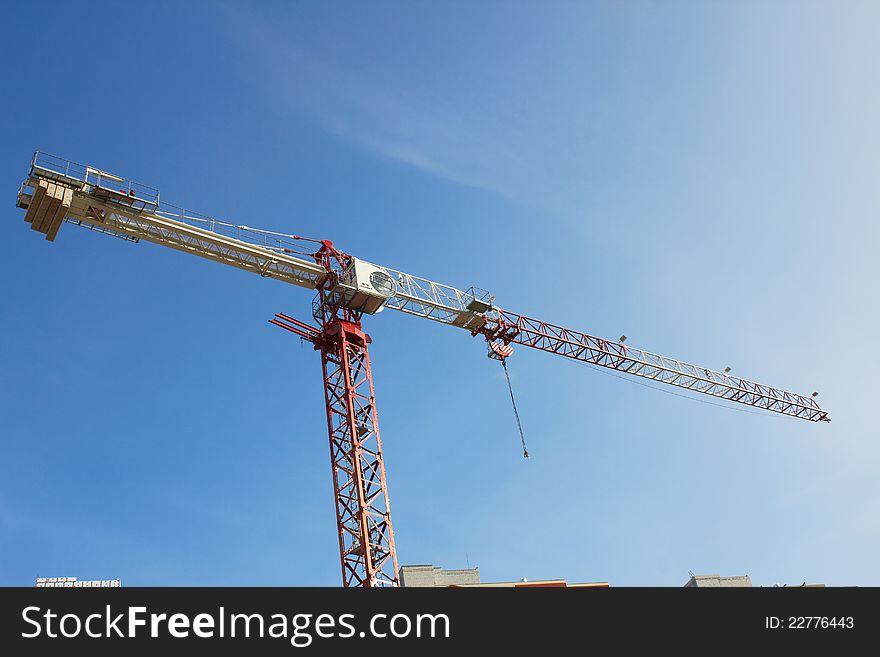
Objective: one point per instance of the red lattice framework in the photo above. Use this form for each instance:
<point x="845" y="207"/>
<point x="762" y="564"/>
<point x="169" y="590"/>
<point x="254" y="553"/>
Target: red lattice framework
<point x="363" y="511"/>
<point x="506" y="327"/>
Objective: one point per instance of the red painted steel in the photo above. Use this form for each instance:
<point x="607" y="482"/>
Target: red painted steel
<point x="508" y="327"/>
<point x="363" y="510"/>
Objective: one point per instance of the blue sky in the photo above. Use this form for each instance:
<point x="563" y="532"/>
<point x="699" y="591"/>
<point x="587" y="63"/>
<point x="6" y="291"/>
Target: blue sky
<point x="699" y="176"/>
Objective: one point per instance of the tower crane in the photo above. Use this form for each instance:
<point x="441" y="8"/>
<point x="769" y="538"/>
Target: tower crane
<point x="59" y="191"/>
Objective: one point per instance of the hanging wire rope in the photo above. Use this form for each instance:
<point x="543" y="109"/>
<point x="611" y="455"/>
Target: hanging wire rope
<point x="522" y="437"/>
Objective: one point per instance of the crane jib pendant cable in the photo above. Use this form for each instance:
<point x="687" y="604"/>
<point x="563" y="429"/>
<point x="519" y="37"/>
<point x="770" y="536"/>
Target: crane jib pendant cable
<point x="522" y="438"/>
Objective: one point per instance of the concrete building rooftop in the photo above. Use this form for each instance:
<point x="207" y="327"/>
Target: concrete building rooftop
<point x="433" y="576"/>
<point x="715" y="581"/>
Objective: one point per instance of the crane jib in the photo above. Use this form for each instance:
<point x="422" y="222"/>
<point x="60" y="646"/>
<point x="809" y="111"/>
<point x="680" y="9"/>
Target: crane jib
<point x="512" y="327"/>
<point x="59" y="191"/>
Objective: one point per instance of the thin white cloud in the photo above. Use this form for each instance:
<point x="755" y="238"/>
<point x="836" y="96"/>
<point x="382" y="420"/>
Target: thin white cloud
<point x="408" y="154"/>
<point x="479" y="145"/>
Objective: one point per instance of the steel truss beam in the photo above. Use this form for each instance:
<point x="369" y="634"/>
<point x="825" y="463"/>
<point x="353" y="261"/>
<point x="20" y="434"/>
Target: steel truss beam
<point x="182" y="236"/>
<point x="363" y="511"/>
<point x="510" y="327"/>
